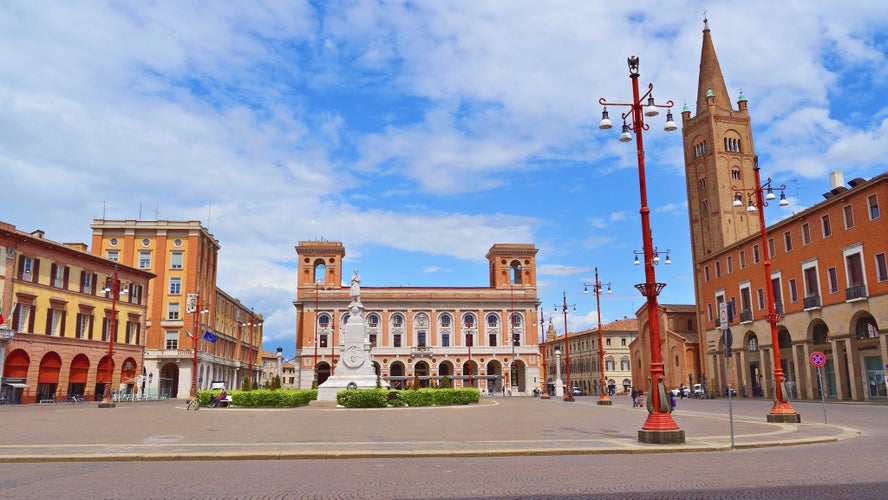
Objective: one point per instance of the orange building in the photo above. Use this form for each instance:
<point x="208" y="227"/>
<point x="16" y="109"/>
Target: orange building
<point x="480" y="336"/>
<point x="226" y="334"/>
<point x="58" y="306"/>
<point x="828" y="264"/>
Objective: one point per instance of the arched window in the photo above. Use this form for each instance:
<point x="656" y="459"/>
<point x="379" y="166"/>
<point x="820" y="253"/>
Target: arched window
<point x="702" y="183"/>
<point x="735" y="174"/>
<point x="516" y="320"/>
<point x="320" y="271"/>
<point x="624" y="363"/>
<point x="324" y="320"/>
<point x="866" y="328"/>
<point x="609" y="364"/>
<point x="820" y="334"/>
<point x="752" y="345"/>
<point x="397" y="320"/>
<point x="515" y="268"/>
<point x="492" y="320"/>
<point x="445" y="320"/>
<point x="469" y="321"/>
<point x="373" y="320"/>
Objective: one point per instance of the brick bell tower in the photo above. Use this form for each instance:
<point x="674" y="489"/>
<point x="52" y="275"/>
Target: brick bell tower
<point x="719" y="155"/>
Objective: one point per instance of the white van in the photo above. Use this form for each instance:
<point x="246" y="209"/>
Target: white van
<point x="217" y="385"/>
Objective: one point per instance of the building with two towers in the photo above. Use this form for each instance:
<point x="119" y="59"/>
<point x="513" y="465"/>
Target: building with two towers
<point x="829" y="276"/>
<point x="484" y="337"/>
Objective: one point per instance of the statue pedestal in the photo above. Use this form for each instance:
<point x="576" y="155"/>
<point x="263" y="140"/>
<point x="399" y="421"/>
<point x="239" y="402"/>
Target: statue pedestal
<point x="354" y="365"/>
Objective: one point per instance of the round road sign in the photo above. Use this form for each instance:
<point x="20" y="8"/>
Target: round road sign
<point x="817" y="358"/>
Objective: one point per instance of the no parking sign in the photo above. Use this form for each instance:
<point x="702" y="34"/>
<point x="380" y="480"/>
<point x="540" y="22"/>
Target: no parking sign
<point x="818" y="359"/>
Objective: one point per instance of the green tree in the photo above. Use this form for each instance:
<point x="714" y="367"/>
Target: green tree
<point x="247" y="386"/>
<point x="276" y="382"/>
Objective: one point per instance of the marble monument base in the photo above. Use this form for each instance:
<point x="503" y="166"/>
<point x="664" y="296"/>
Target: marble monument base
<point x="327" y="391"/>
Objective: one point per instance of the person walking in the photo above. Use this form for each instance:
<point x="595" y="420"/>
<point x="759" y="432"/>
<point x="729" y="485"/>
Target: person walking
<point x="634" y="395"/>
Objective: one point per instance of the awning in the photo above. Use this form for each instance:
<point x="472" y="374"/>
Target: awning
<point x="16" y="385"/>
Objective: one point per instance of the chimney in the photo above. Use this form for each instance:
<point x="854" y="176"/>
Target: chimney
<point x="836" y="179"/>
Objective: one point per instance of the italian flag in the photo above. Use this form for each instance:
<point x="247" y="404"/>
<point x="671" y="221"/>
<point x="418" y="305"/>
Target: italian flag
<point x="2" y="321"/>
<point x="188" y="334"/>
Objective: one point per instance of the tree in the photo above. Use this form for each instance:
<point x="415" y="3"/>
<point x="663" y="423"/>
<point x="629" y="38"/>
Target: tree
<point x="247" y="386"/>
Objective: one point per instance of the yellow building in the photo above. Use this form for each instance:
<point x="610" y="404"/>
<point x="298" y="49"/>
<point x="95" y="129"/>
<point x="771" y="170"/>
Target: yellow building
<point x="480" y="336"/>
<point x="196" y="333"/>
<point x="58" y="303"/>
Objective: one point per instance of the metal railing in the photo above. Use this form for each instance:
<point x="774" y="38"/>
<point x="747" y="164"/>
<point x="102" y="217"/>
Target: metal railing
<point x="812" y="301"/>
<point x="855" y="292"/>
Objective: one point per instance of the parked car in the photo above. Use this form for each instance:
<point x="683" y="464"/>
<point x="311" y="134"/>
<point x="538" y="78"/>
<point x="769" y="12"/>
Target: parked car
<point x="699" y="391"/>
<point x="733" y="391"/>
<point x="576" y="391"/>
<point x="677" y="391"/>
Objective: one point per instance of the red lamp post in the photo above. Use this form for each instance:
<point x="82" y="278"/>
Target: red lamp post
<point x="114" y="288"/>
<point x="782" y="411"/>
<point x="604" y="399"/>
<point x="252" y="324"/>
<point x="469" y="324"/>
<point x="545" y="374"/>
<point x="659" y="427"/>
<point x="568" y="395"/>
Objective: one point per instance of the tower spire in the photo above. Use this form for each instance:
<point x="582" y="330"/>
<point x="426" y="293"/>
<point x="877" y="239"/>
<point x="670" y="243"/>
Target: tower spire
<point x="711" y="80"/>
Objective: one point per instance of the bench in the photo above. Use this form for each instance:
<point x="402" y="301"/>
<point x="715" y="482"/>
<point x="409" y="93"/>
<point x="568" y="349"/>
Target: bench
<point x="225" y="403"/>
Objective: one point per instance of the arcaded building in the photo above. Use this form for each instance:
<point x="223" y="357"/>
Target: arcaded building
<point x="829" y="277"/>
<point x="57" y="303"/>
<point x="472" y="336"/>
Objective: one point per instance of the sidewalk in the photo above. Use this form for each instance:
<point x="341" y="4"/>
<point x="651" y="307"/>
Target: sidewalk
<point x="502" y="426"/>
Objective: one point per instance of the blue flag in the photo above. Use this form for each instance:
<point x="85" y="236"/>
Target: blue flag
<point x="209" y="337"/>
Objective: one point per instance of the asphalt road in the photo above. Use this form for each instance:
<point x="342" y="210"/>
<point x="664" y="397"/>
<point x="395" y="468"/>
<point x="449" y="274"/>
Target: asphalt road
<point x="848" y="468"/>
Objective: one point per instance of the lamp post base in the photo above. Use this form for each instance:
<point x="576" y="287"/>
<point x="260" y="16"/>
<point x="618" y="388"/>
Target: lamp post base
<point x="544" y="395"/>
<point x="604" y="400"/>
<point x="104" y="404"/>
<point x="784" y="418"/>
<point x="661" y="437"/>
<point x="569" y="398"/>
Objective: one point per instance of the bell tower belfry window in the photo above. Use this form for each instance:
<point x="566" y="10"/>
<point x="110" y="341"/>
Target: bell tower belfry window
<point x="512" y="265"/>
<point x="320" y="263"/>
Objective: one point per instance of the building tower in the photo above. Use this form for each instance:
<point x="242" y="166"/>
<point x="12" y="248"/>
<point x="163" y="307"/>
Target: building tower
<point x="719" y="155"/>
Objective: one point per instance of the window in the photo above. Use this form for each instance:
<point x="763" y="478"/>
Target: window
<point x="421" y="339"/>
<point x="742" y="259"/>
<point x="491" y="339"/>
<point x="397" y="340"/>
<point x="132" y="332"/>
<point x="623" y="342"/>
<point x="173" y="310"/>
<point x="172" y="339"/>
<point x="700" y="149"/>
<point x="445" y="340"/>
<point x="702" y="182"/>
<point x="833" y="279"/>
<point x="812" y="285"/>
<point x="709" y="312"/>
<point x="848" y="215"/>
<point x="793" y="291"/>
<point x="322" y="340"/>
<point x="28" y="269"/>
<point x="609" y="363"/>
<point x="706" y="273"/>
<point x="84" y="326"/>
<point x="373" y="339"/>
<point x="492" y="320"/>
<point x="825" y="226"/>
<point x="515" y="272"/>
<point x="607" y="342"/>
<point x="806" y="234"/>
<point x="729" y="264"/>
<point x="718" y="270"/>
<point x="175" y="286"/>
<point x="324" y="321"/>
<point x="23" y="318"/>
<point x="732" y="145"/>
<point x="87" y="282"/>
<point x="755" y="254"/>
<point x="446" y="320"/>
<point x="57" y="275"/>
<point x="624" y="364"/>
<point x="516" y="320"/>
<point x="397" y="321"/>
<point x="881" y="267"/>
<point x="113" y="255"/>
<point x="175" y="260"/>
<point x="55" y="322"/>
<point x="106" y="330"/>
<point x="735" y="174"/>
<point x="872" y="202"/>
<point x="760" y="296"/>
<point x="373" y="321"/>
<point x="787" y="241"/>
<point x="772" y="248"/>
<point x="745" y="303"/>
<point x="144" y="260"/>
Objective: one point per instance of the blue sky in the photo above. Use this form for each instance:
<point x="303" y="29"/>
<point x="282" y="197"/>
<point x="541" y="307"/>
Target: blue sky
<point x="417" y="133"/>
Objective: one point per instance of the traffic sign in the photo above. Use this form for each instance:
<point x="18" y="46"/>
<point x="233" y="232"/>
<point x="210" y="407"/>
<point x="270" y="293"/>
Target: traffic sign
<point x="817" y="358"/>
<point x="723" y="315"/>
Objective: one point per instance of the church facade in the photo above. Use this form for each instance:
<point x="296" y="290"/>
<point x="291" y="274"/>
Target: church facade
<point x="484" y="337"/>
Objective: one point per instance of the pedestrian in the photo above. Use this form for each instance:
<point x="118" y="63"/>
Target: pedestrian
<point x="640" y="398"/>
<point x="672" y="400"/>
<point x="634" y="395"/>
<point x="681" y="391"/>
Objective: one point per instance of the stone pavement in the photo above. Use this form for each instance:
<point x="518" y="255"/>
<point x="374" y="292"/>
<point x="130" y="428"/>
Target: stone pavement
<point x="502" y="426"/>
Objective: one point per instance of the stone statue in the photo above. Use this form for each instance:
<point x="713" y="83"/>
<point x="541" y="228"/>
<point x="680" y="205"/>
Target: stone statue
<point x="356" y="287"/>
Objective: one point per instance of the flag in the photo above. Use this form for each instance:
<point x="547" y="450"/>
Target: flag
<point x="2" y="321"/>
<point x="209" y="337"/>
<point x="188" y="334"/>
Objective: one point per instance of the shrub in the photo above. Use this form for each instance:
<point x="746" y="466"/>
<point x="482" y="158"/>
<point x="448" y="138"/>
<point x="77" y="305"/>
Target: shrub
<point x="288" y="398"/>
<point x="445" y="382"/>
<point x="363" y="398"/>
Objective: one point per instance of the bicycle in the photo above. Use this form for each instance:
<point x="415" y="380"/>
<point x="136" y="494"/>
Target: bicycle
<point x="193" y="404"/>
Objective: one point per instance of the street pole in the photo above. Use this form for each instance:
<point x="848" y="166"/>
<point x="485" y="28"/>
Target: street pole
<point x="659" y="427"/>
<point x="604" y="399"/>
<point x="107" y="401"/>
<point x="568" y="395"/>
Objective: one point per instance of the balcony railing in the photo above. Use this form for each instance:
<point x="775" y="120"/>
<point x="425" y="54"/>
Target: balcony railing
<point x="745" y="316"/>
<point x="778" y="307"/>
<point x="420" y="352"/>
<point x="855" y="292"/>
<point x="812" y="302"/>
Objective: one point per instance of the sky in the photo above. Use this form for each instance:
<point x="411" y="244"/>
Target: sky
<point x="418" y="133"/>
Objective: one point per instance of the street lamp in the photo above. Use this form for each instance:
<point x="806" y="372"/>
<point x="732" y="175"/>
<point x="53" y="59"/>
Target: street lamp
<point x="603" y="399"/>
<point x="545" y="376"/>
<point x="659" y="426"/>
<point x="252" y="323"/>
<point x="193" y="306"/>
<point x="568" y="396"/>
<point x="469" y="336"/>
<point x="112" y="286"/>
<point x="782" y="411"/>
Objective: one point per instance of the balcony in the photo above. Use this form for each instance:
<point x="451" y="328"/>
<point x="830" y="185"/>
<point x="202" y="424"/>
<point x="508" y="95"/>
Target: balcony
<point x="812" y="302"/>
<point x="778" y="308"/>
<point x="855" y="292"/>
<point x="420" y="352"/>
<point x="746" y="316"/>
